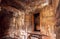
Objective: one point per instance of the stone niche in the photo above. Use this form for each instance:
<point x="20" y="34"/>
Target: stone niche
<point x="36" y="21"/>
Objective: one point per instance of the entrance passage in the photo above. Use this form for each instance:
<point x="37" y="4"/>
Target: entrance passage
<point x="37" y="22"/>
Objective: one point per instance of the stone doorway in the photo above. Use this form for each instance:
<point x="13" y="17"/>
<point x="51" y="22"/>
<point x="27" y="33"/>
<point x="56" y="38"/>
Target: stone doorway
<point x="34" y="26"/>
<point x="36" y="22"/>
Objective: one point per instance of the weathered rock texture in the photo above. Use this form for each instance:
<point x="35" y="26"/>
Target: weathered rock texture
<point x="16" y="18"/>
<point x="58" y="22"/>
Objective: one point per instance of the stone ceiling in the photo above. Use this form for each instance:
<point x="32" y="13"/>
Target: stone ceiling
<point x="24" y="5"/>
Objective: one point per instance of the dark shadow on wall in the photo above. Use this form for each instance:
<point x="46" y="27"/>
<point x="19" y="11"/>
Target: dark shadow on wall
<point x="58" y="15"/>
<point x="5" y="17"/>
<point x="58" y="22"/>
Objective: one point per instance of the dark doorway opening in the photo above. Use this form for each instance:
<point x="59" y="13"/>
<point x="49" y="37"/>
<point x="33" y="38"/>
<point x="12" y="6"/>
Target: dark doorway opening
<point x="37" y="22"/>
